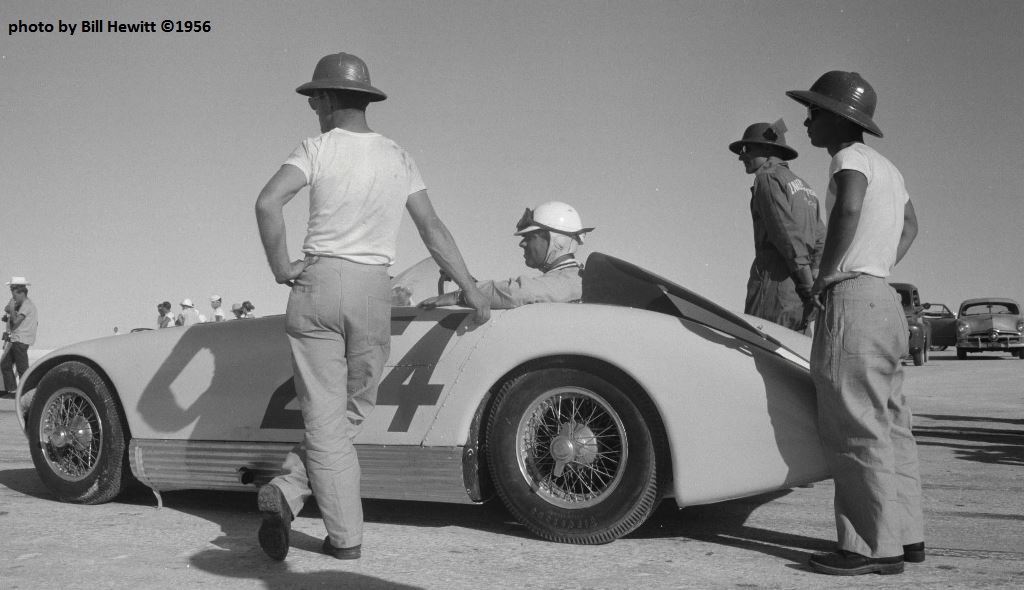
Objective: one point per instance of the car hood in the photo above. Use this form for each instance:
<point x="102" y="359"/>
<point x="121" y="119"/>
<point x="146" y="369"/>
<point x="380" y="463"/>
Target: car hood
<point x="987" y="322"/>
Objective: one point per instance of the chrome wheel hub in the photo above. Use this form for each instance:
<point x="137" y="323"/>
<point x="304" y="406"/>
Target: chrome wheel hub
<point x="572" y="447"/>
<point x="70" y="434"/>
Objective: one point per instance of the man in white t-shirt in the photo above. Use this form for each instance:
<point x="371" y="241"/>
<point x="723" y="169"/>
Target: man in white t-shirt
<point x="360" y="182"/>
<point x="863" y="418"/>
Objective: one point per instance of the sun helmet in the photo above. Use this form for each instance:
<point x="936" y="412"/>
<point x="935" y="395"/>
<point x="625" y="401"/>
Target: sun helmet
<point x="769" y="134"/>
<point x="341" y="71"/>
<point x="846" y="94"/>
<point x="554" y="216"/>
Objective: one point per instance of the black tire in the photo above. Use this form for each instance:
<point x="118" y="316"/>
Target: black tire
<point x="1020" y="353"/>
<point x="918" y="357"/>
<point x="77" y="436"/>
<point x="572" y="456"/>
<point x="961" y="353"/>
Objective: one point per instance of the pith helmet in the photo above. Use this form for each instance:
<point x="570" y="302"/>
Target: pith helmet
<point x="770" y="134"/>
<point x="341" y="71"/>
<point x="845" y="94"/>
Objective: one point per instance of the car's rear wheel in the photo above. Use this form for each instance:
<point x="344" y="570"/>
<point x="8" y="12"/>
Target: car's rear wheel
<point x="961" y="353"/>
<point x="572" y="456"/>
<point x="77" y="435"/>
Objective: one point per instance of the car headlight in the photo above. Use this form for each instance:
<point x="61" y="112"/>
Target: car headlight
<point x="962" y="327"/>
<point x="1020" y="325"/>
<point x="994" y="334"/>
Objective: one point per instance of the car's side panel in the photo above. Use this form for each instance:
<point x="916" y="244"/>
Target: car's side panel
<point x="232" y="381"/>
<point x="739" y="419"/>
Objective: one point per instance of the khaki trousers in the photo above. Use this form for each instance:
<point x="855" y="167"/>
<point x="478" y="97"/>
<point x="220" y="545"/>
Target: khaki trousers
<point x="863" y="418"/>
<point x="339" y="328"/>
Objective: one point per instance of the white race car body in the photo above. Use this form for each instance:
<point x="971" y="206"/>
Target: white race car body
<point x="213" y="406"/>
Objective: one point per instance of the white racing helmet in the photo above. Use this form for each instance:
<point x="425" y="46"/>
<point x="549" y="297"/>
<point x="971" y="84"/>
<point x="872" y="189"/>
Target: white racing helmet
<point x="561" y="221"/>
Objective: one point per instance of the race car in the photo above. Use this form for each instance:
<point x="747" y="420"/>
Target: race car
<point x="581" y="417"/>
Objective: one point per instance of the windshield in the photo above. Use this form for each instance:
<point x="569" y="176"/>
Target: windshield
<point x="417" y="283"/>
<point x="987" y="308"/>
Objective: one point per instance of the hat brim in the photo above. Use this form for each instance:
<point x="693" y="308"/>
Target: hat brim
<point x="785" y="152"/>
<point x="309" y="88"/>
<point x="533" y="228"/>
<point x="808" y="98"/>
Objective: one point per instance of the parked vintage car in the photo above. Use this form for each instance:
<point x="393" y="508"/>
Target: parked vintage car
<point x="989" y="324"/>
<point x="919" y="331"/>
<point x="941" y="325"/>
<point x="580" y="416"/>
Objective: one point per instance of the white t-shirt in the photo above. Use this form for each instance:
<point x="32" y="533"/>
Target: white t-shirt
<point x="359" y="184"/>
<point x="874" y="245"/>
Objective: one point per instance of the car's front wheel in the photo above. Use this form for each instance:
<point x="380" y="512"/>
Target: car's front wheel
<point x="572" y="456"/>
<point x="77" y="435"/>
<point x="961" y="353"/>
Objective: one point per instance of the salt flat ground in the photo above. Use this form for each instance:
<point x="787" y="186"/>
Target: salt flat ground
<point x="970" y="429"/>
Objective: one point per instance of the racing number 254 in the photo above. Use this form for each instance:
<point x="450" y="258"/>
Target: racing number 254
<point x="407" y="385"/>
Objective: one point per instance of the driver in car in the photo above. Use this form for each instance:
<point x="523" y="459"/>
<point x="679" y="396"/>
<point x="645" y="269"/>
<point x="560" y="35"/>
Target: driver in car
<point x="550" y="235"/>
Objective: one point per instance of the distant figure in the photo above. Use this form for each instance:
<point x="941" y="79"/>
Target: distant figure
<point x="550" y="234"/>
<point x="21" y="319"/>
<point x="248" y="310"/>
<point x="188" y="315"/>
<point x="238" y="311"/>
<point x="165" y="318"/>
<point x="115" y="331"/>
<point x="218" y="312"/>
<point x="788" y="232"/>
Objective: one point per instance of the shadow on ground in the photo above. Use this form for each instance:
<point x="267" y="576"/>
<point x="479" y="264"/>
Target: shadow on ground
<point x="724" y="523"/>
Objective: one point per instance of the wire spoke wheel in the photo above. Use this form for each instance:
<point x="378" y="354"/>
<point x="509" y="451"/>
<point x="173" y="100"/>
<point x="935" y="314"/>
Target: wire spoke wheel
<point x="573" y="446"/>
<point x="70" y="434"/>
<point x="78" y="435"/>
<point x="572" y="455"/>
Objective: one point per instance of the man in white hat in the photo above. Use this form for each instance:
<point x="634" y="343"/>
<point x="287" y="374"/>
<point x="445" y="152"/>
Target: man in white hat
<point x="21" y="319"/>
<point x="188" y="315"/>
<point x="218" y="312"/>
<point x="548" y="236"/>
<point x="359" y="183"/>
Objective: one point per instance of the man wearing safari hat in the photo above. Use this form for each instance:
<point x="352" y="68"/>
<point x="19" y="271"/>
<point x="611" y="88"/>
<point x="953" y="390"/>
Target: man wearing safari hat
<point x="863" y="418"/>
<point x="338" y="317"/>
<point x="21" y="320"/>
<point x="788" y="231"/>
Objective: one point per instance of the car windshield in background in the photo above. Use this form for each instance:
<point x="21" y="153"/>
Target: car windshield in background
<point x="990" y="308"/>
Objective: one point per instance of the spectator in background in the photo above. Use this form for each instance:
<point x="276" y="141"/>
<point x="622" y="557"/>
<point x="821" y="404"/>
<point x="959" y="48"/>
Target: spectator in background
<point x="248" y="308"/>
<point x="164" y="319"/>
<point x="188" y="315"/>
<point x="236" y="308"/>
<point x="218" y="312"/>
<point x="20" y="321"/>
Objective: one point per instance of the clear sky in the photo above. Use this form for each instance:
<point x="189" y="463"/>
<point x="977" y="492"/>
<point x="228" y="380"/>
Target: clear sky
<point x="130" y="162"/>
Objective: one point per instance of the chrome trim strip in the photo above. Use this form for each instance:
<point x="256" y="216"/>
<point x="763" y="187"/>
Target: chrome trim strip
<point x="426" y="474"/>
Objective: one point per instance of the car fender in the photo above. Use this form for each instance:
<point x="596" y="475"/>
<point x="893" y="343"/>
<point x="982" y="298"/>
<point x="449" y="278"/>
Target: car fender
<point x="723" y="401"/>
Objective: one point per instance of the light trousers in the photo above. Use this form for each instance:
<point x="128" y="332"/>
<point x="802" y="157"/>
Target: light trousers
<point x="339" y="328"/>
<point x="863" y="418"/>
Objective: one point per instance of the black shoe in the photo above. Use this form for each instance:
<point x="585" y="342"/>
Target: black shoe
<point x="277" y="521"/>
<point x="914" y="553"/>
<point x="847" y="563"/>
<point x="343" y="552"/>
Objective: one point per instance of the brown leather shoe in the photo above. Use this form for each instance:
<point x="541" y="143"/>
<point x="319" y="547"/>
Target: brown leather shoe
<point x="277" y="521"/>
<point x="341" y="552"/>
<point x="848" y="563"/>
<point x="913" y="553"/>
